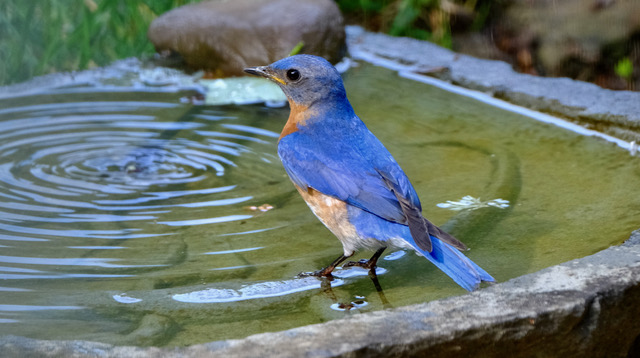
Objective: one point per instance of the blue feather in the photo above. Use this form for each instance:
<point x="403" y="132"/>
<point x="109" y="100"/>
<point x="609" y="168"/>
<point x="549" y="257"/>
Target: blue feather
<point x="446" y="257"/>
<point x="346" y="165"/>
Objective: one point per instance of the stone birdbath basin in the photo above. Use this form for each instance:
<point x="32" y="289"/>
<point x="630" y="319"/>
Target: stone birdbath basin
<point x="584" y="307"/>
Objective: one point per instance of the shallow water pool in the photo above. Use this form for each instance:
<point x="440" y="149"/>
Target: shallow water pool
<point x="138" y="218"/>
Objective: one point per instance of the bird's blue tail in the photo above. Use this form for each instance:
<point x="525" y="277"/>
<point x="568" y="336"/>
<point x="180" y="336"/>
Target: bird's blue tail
<point x="446" y="257"/>
<point x="456" y="265"/>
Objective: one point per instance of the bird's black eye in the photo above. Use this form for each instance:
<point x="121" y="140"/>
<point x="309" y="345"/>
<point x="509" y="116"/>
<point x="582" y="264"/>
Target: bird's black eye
<point x="293" y="74"/>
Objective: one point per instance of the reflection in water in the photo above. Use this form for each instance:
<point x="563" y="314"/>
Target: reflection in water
<point x="65" y="261"/>
<point x="254" y="291"/>
<point x="360" y="301"/>
<point x="15" y="308"/>
<point x="232" y="251"/>
<point x="206" y="221"/>
<point x="123" y="298"/>
<point x="349" y="306"/>
<point x="468" y="202"/>
<point x="261" y="290"/>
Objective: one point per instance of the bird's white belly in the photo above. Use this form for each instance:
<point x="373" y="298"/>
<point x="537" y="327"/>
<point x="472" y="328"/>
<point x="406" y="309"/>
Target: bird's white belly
<point x="333" y="213"/>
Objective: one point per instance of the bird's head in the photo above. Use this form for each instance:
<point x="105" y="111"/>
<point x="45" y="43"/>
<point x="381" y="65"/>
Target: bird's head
<point x="304" y="79"/>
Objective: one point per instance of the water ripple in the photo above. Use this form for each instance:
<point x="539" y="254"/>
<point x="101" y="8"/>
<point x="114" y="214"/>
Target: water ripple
<point x="100" y="196"/>
<point x="76" y="172"/>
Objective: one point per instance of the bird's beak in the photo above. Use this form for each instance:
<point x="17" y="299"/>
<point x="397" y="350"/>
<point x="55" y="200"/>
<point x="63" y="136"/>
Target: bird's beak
<point x="264" y="71"/>
<point x="258" y="71"/>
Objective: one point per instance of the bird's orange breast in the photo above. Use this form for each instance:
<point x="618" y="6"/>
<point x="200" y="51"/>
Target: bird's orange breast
<point x="297" y="117"/>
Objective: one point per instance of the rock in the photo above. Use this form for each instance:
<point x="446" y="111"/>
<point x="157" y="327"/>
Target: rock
<point x="587" y="40"/>
<point x="569" y="28"/>
<point x="226" y="36"/>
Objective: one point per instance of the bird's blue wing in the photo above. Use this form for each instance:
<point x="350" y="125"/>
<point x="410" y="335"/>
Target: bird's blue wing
<point x="359" y="170"/>
<point x="345" y="176"/>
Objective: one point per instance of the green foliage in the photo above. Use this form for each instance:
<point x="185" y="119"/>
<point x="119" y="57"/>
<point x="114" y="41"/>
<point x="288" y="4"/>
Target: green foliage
<point x="297" y="48"/>
<point x="624" y="68"/>
<point x="40" y="37"/>
<point x="409" y="12"/>
<point x="365" y="6"/>
<point x="423" y="19"/>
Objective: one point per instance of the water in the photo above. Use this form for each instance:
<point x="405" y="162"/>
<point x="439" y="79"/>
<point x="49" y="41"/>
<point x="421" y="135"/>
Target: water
<point x="140" y="218"/>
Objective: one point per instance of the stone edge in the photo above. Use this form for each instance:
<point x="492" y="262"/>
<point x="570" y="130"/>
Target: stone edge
<point x="573" y="307"/>
<point x="580" y="102"/>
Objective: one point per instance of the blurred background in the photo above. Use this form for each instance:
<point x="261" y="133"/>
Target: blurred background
<point x="590" y="40"/>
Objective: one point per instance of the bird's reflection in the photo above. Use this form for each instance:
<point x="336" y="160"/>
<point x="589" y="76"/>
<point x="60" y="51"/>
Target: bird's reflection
<point x="327" y="289"/>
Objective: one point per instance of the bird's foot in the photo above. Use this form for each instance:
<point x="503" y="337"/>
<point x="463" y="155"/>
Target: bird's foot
<point x="364" y="263"/>
<point x="369" y="264"/>
<point x="325" y="272"/>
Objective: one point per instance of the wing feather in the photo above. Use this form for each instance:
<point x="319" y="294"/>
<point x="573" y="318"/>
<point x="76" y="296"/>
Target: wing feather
<point x="361" y="172"/>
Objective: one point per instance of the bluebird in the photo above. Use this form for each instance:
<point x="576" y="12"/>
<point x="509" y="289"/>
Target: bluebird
<point x="349" y="179"/>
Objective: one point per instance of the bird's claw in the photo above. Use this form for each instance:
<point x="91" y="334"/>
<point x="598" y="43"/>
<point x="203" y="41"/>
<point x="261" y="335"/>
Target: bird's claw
<point x="366" y="264"/>
<point x="306" y="274"/>
<point x="319" y="273"/>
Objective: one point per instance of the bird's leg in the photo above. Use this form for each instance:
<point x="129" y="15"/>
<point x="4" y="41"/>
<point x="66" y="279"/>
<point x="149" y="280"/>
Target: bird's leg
<point x="326" y="272"/>
<point x="376" y="283"/>
<point x="329" y="269"/>
<point x="369" y="264"/>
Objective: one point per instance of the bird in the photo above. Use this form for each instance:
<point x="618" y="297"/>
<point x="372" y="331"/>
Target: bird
<point x="349" y="179"/>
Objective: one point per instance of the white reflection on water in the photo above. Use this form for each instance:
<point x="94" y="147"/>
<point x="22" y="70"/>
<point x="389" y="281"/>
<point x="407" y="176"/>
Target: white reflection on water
<point x="250" y="231"/>
<point x="221" y="219"/>
<point x="58" y="276"/>
<point x="123" y="298"/>
<point x="13" y="289"/>
<point x="254" y="290"/>
<point x="100" y="262"/>
<point x="252" y="130"/>
<point x="233" y="251"/>
<point x="272" y="288"/>
<point x="15" y="308"/>
<point x="353" y="305"/>
<point x="470" y="203"/>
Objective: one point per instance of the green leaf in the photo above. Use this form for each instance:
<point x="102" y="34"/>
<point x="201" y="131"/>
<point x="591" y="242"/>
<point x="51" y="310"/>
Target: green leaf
<point x="297" y="48"/>
<point x="624" y="68"/>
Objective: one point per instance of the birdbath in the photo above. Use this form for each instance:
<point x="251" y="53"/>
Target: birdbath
<point x="232" y="255"/>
